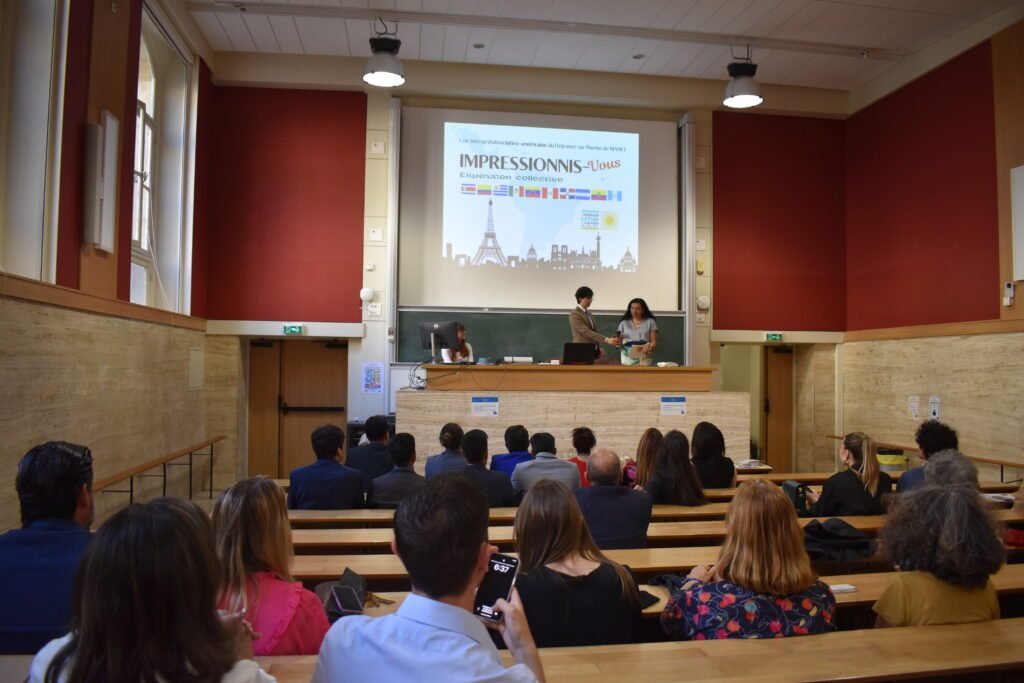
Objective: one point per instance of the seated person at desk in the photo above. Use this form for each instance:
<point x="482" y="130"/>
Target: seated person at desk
<point x="674" y="480"/>
<point x="441" y="538"/>
<point x="714" y="469"/>
<point x="496" y="485"/>
<point x="571" y="592"/>
<point x="326" y="484"/>
<point x="859" y="489"/>
<point x="38" y="561"/>
<point x="545" y="465"/>
<point x="581" y="322"/>
<point x="638" y="333"/>
<point x="932" y="436"/>
<point x="373" y="459"/>
<point x="451" y="460"/>
<point x="943" y="541"/>
<point x="583" y="441"/>
<point x="254" y="544"/>
<point x="616" y="516"/>
<point x="462" y="354"/>
<point x="762" y="585"/>
<point x="388" y="490"/>
<point x="517" y="441"/>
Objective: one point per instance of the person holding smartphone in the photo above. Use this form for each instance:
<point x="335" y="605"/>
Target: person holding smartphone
<point x="441" y="538"/>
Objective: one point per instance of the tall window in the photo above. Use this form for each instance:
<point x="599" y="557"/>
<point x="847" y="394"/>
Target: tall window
<point x="162" y="152"/>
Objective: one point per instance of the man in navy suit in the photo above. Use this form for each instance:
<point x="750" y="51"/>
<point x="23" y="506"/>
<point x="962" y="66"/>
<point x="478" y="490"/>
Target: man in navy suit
<point x="326" y="484"/>
<point x="388" y="490"/>
<point x="616" y="515"/>
<point x="497" y="485"/>
<point x="373" y="459"/>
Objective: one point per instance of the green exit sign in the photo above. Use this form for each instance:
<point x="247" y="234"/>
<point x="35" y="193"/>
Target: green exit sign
<point x="773" y="336"/>
<point x="294" y="329"/>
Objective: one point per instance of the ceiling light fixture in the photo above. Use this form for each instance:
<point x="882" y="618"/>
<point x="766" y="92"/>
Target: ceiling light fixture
<point x="742" y="91"/>
<point x="383" y="69"/>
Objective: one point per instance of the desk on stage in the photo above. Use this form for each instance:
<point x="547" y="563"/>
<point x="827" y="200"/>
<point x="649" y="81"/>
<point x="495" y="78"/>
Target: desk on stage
<point x="618" y="402"/>
<point x="566" y="378"/>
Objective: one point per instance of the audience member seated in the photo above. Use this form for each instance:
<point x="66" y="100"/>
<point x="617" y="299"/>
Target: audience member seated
<point x="392" y="488"/>
<point x="646" y="454"/>
<point x="545" y="465"/>
<point x="616" y="516"/>
<point x="572" y="593"/>
<point x="441" y="538"/>
<point x="859" y="489"/>
<point x="451" y="460"/>
<point x="714" y="470"/>
<point x="517" y="441"/>
<point x="39" y="560"/>
<point x="762" y="585"/>
<point x="932" y="436"/>
<point x="326" y="484"/>
<point x="945" y="544"/>
<point x="373" y="459"/>
<point x="674" y="480"/>
<point x="145" y="606"/>
<point x="951" y="468"/>
<point x="583" y="440"/>
<point x="496" y="485"/>
<point x="254" y="544"/>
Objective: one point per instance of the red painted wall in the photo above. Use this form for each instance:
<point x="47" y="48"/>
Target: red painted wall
<point x="72" y="146"/>
<point x="284" y="221"/>
<point x="201" y="196"/>
<point x="779" y="223"/>
<point x="922" y="234"/>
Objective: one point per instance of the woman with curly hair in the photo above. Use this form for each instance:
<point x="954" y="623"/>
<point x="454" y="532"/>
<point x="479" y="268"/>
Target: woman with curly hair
<point x="946" y="546"/>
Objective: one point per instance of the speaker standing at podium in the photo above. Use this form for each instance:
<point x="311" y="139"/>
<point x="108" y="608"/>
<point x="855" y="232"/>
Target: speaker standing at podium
<point x="582" y="323"/>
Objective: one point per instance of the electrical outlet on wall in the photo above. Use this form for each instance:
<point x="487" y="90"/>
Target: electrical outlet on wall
<point x="373" y="309"/>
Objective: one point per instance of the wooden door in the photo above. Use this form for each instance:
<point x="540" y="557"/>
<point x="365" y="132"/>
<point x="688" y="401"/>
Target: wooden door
<point x="264" y="417"/>
<point x="778" y="408"/>
<point x="314" y="391"/>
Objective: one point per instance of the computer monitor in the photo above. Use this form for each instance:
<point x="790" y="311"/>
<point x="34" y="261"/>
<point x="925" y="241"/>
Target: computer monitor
<point x="441" y="335"/>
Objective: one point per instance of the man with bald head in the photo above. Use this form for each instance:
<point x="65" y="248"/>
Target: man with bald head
<point x="616" y="515"/>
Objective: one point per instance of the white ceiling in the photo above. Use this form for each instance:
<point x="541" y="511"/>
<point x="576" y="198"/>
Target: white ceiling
<point x="815" y="43"/>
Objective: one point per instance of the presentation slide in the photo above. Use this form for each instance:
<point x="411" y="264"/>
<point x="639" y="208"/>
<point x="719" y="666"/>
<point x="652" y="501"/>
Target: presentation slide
<point x="515" y="211"/>
<point x="540" y="198"/>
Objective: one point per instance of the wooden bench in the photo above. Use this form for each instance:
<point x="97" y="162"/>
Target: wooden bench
<point x="920" y="652"/>
<point x="1009" y="580"/>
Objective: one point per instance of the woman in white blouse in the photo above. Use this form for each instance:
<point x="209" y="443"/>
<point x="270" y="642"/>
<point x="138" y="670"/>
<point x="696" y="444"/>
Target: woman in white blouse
<point x="462" y="354"/>
<point x="638" y="331"/>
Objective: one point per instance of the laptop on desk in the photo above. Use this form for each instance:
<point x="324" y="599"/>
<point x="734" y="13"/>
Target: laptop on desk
<point x="578" y="354"/>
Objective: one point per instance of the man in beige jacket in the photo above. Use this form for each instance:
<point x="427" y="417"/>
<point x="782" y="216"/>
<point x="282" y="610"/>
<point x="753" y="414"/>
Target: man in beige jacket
<point x="582" y="323"/>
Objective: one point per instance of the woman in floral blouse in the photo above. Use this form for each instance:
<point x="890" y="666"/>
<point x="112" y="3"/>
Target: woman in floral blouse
<point x="762" y="586"/>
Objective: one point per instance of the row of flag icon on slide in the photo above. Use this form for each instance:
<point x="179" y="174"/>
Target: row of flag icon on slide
<point x="542" y="192"/>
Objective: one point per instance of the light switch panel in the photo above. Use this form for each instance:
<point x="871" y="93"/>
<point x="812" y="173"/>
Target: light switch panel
<point x="374" y="309"/>
<point x="376" y="235"/>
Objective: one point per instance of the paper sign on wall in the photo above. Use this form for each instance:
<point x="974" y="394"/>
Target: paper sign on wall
<point x="933" y="407"/>
<point x="673" y="405"/>
<point x="373" y="378"/>
<point x="483" y="406"/>
<point x="914" y="407"/>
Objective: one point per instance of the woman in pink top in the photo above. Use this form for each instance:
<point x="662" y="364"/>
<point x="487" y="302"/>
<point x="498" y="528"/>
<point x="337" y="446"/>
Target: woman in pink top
<point x="254" y="542"/>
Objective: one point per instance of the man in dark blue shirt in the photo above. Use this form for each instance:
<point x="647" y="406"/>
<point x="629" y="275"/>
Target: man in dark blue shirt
<point x="389" y="490"/>
<point x="326" y="484"/>
<point x="616" y="516"/>
<point x="932" y="436"/>
<point x="373" y="459"/>
<point x="497" y="485"/>
<point x="38" y="561"/>
<point x="517" y="441"/>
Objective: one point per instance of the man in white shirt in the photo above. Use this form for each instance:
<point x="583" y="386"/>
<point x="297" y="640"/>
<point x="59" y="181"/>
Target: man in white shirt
<point x="441" y="538"/>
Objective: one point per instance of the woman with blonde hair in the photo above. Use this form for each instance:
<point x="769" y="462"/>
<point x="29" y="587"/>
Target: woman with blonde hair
<point x="646" y="452"/>
<point x="762" y="586"/>
<point x="572" y="594"/>
<point x="254" y="543"/>
<point x="857" y="490"/>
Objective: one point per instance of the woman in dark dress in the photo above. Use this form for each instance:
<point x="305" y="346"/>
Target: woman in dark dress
<point x="714" y="470"/>
<point x="572" y="594"/>
<point x="859" y="489"/>
<point x="675" y="481"/>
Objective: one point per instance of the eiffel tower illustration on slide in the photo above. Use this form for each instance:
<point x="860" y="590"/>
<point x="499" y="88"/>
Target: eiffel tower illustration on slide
<point x="490" y="250"/>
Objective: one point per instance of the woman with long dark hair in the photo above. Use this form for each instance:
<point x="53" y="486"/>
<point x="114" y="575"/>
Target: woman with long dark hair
<point x="674" y="480"/>
<point x="145" y="606"/>
<point x="638" y="330"/>
<point x="714" y="469"/>
<point x="463" y="353"/>
<point x="646" y="454"/>
<point x="572" y="593"/>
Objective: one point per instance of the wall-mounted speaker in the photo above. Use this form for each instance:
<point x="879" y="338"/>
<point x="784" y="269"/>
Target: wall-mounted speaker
<point x="101" y="146"/>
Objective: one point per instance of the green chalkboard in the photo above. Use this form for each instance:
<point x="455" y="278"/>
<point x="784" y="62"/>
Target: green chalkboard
<point x="540" y="334"/>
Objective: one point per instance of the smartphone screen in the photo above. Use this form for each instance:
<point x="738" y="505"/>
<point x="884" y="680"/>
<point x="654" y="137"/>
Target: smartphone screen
<point x="497" y="583"/>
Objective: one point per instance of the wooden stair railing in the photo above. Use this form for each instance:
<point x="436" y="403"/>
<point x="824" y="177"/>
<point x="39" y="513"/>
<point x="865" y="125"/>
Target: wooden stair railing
<point x="164" y="462"/>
